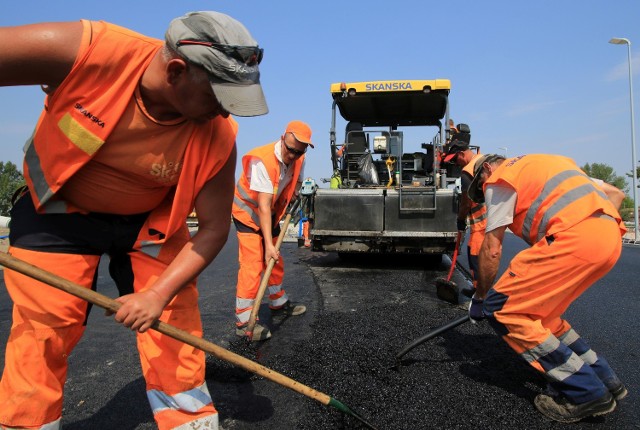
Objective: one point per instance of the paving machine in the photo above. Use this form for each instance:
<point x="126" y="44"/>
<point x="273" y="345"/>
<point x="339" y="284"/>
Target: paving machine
<point x="389" y="191"/>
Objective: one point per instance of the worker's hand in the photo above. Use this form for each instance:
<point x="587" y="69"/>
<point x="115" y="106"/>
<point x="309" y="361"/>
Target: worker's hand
<point x="270" y="252"/>
<point x="461" y="224"/>
<point x="475" y="310"/>
<point x="139" y="310"/>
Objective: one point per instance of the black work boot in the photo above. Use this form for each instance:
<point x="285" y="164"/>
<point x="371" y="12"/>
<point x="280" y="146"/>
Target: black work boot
<point x="561" y="410"/>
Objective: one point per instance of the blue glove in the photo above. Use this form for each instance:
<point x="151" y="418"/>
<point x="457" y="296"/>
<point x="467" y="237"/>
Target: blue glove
<point x="475" y="310"/>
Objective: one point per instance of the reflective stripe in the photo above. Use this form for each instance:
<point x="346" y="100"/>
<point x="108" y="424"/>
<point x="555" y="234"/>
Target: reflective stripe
<point x="478" y="219"/>
<point x="190" y="401"/>
<point x="243" y="310"/>
<point x="150" y="248"/>
<point x="560" y="372"/>
<point x="570" y="337"/>
<point x="477" y="208"/>
<point x="568" y="368"/>
<point x="275" y="289"/>
<point x="245" y="207"/>
<point x="545" y="348"/>
<point x="561" y="203"/>
<point x="244" y="303"/>
<point x="78" y="135"/>
<point x="243" y="317"/>
<point x="280" y="301"/>
<point x="40" y="185"/>
<point x="590" y="357"/>
<point x="210" y="422"/>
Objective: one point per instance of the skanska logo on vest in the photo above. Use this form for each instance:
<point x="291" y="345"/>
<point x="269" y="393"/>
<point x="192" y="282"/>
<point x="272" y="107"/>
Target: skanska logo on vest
<point x="89" y="115"/>
<point x="389" y="86"/>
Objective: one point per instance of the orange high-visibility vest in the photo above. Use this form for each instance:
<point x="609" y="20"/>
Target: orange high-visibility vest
<point x="477" y="213"/>
<point x="245" y="201"/>
<point x="553" y="195"/>
<point x="83" y="111"/>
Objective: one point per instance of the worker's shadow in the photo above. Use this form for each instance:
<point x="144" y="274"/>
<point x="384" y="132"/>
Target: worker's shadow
<point x="233" y="392"/>
<point x="128" y="410"/>
<point x="487" y="360"/>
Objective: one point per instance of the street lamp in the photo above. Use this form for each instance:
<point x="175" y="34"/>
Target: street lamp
<point x="504" y="148"/>
<point x="623" y="41"/>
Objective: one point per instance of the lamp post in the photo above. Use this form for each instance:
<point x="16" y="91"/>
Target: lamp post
<point x="504" y="148"/>
<point x="623" y="41"/>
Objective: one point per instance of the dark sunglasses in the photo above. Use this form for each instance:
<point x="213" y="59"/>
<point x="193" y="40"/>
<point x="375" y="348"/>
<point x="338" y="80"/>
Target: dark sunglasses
<point x="249" y="55"/>
<point x="294" y="151"/>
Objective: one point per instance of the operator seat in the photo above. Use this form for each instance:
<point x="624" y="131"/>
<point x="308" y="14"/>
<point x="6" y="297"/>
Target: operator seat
<point x="357" y="145"/>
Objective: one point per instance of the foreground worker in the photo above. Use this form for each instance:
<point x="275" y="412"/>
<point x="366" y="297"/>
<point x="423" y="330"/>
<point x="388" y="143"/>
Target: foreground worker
<point x="135" y="133"/>
<point x="271" y="176"/>
<point x="476" y="213"/>
<point x="574" y="229"/>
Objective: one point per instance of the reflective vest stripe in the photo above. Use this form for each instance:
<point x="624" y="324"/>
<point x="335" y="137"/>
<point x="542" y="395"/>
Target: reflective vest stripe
<point x="565" y="201"/>
<point x="561" y="203"/>
<point x="240" y="202"/>
<point x="40" y="186"/>
<point x="191" y="401"/>
<point x="477" y="219"/>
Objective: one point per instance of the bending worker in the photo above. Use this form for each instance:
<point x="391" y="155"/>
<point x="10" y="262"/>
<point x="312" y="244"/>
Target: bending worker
<point x="573" y="227"/>
<point x="135" y="133"/>
<point x="460" y="154"/>
<point x="271" y="176"/>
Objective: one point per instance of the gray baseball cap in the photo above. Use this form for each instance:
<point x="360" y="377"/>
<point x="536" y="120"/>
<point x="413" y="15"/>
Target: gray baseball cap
<point x="475" y="192"/>
<point x="225" y="49"/>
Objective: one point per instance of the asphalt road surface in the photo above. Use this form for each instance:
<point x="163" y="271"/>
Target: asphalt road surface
<point x="360" y="314"/>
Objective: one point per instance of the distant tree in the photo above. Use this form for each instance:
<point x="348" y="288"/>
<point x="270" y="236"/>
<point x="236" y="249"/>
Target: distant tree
<point x="607" y="174"/>
<point x="630" y="175"/>
<point x="10" y="180"/>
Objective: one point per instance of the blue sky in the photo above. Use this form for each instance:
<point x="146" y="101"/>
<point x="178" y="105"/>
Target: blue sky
<point x="532" y="77"/>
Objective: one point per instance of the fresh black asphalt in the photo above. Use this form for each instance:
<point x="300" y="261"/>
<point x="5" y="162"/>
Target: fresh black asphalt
<point x="361" y="313"/>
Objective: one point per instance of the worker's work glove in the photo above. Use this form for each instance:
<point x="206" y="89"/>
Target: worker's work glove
<point x="461" y="224"/>
<point x="475" y="310"/>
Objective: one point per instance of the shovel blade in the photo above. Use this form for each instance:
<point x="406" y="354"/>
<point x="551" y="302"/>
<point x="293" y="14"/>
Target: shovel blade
<point x="447" y="291"/>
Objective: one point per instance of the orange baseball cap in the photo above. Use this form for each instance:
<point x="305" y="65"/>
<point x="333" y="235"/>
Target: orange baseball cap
<point x="301" y="131"/>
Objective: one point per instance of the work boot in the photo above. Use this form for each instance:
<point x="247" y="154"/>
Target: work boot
<point x="289" y="310"/>
<point x="618" y="391"/>
<point x="616" y="388"/>
<point x="260" y="332"/>
<point x="561" y="410"/>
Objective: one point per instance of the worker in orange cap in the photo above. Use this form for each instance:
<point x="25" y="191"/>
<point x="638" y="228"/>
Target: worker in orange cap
<point x="272" y="175"/>
<point x="574" y="229"/>
<point x="459" y="153"/>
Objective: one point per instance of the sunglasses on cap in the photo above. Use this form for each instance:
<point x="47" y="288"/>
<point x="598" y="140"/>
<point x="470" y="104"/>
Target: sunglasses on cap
<point x="249" y="55"/>
<point x="294" y="151"/>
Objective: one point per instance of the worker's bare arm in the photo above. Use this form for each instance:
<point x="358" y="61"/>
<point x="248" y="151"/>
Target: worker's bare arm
<point x="38" y="54"/>
<point x="213" y="206"/>
<point x="489" y="259"/>
<point x="615" y="195"/>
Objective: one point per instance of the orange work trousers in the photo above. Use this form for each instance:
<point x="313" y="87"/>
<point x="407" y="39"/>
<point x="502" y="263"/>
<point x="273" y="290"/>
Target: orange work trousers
<point x="250" y="272"/>
<point x="526" y="305"/>
<point x="48" y="323"/>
